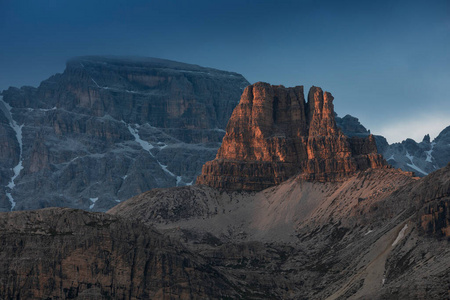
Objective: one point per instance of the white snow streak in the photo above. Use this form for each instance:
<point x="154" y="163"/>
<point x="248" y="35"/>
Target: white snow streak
<point x="412" y="165"/>
<point x="370" y="231"/>
<point x="93" y="200"/>
<point x="144" y="144"/>
<point x="401" y="234"/>
<point x="95" y="82"/>
<point x="219" y="130"/>
<point x="147" y="146"/>
<point x="391" y="157"/>
<point x="18" y="130"/>
<point x="429" y="157"/>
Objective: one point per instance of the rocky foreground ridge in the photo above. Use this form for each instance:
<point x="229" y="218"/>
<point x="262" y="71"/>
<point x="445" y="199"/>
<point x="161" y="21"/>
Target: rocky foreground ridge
<point x="274" y="134"/>
<point x="109" y="128"/>
<point x="60" y="253"/>
<point x="379" y="234"/>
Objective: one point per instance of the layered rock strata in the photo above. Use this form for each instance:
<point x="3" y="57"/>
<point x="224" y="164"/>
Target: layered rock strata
<point x="274" y="134"/>
<point x="58" y="253"/>
<point x="109" y="128"/>
<point x="380" y="234"/>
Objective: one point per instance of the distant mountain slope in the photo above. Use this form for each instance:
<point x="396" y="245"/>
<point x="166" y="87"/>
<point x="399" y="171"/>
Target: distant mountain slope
<point x="421" y="158"/>
<point x="109" y="128"/>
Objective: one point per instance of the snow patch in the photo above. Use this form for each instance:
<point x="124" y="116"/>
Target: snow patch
<point x="18" y="130"/>
<point x="147" y="146"/>
<point x="41" y="109"/>
<point x="429" y="157"/>
<point x="400" y="235"/>
<point x="417" y="168"/>
<point x="391" y="157"/>
<point x="161" y="145"/>
<point x="93" y="200"/>
<point x="117" y="200"/>
<point x="95" y="82"/>
<point x="412" y="165"/>
<point x="219" y="130"/>
<point x="144" y="144"/>
<point x="370" y="231"/>
<point x="124" y="177"/>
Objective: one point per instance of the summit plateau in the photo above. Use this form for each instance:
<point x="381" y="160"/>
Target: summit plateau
<point x="109" y="128"/>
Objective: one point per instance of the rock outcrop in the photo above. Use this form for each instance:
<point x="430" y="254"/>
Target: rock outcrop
<point x="58" y="253"/>
<point x="379" y="234"/>
<point x="274" y="134"/>
<point x="109" y="128"/>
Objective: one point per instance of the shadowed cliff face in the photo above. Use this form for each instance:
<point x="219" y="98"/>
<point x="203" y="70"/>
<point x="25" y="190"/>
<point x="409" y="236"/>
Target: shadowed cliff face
<point x="109" y="128"/>
<point x="274" y="134"/>
<point x="71" y="254"/>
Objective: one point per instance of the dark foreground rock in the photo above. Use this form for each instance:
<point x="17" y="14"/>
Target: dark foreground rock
<point x="71" y="254"/>
<point x="380" y="234"/>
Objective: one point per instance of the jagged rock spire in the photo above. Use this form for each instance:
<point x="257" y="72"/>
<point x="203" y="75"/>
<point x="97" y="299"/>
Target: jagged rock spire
<point x="274" y="134"/>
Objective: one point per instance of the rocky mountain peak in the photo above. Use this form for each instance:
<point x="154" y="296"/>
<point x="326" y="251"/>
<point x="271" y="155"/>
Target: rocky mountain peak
<point x="274" y="134"/>
<point x="138" y="123"/>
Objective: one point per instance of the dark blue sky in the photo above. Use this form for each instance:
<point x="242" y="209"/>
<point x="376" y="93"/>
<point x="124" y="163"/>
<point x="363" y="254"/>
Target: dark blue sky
<point x="386" y="62"/>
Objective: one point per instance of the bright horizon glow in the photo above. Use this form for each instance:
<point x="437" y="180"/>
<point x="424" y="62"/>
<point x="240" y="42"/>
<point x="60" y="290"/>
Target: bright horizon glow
<point x="414" y="127"/>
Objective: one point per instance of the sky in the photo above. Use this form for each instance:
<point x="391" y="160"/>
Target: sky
<point x="385" y="62"/>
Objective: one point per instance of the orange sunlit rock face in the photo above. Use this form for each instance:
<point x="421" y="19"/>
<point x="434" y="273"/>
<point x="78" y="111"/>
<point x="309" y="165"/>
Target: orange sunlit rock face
<point x="274" y="134"/>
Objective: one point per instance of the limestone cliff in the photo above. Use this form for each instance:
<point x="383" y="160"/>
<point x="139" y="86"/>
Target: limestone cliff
<point x="109" y="128"/>
<point x="274" y="134"/>
<point x="58" y="253"/>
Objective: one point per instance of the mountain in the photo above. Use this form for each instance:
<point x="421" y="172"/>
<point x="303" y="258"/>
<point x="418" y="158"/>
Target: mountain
<point x="421" y="158"/>
<point x="368" y="234"/>
<point x="362" y="233"/>
<point x="60" y="253"/>
<point x="273" y="134"/>
<point x="109" y="128"/>
<point x="379" y="234"/>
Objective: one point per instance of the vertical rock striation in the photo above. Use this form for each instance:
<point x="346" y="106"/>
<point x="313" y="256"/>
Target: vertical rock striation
<point x="109" y="128"/>
<point x="274" y="134"/>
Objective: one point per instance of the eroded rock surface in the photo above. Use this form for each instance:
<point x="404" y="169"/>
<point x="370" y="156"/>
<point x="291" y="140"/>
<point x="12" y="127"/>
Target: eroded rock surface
<point x="109" y="128"/>
<point x="371" y="236"/>
<point x="72" y="254"/>
<point x="274" y="134"/>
